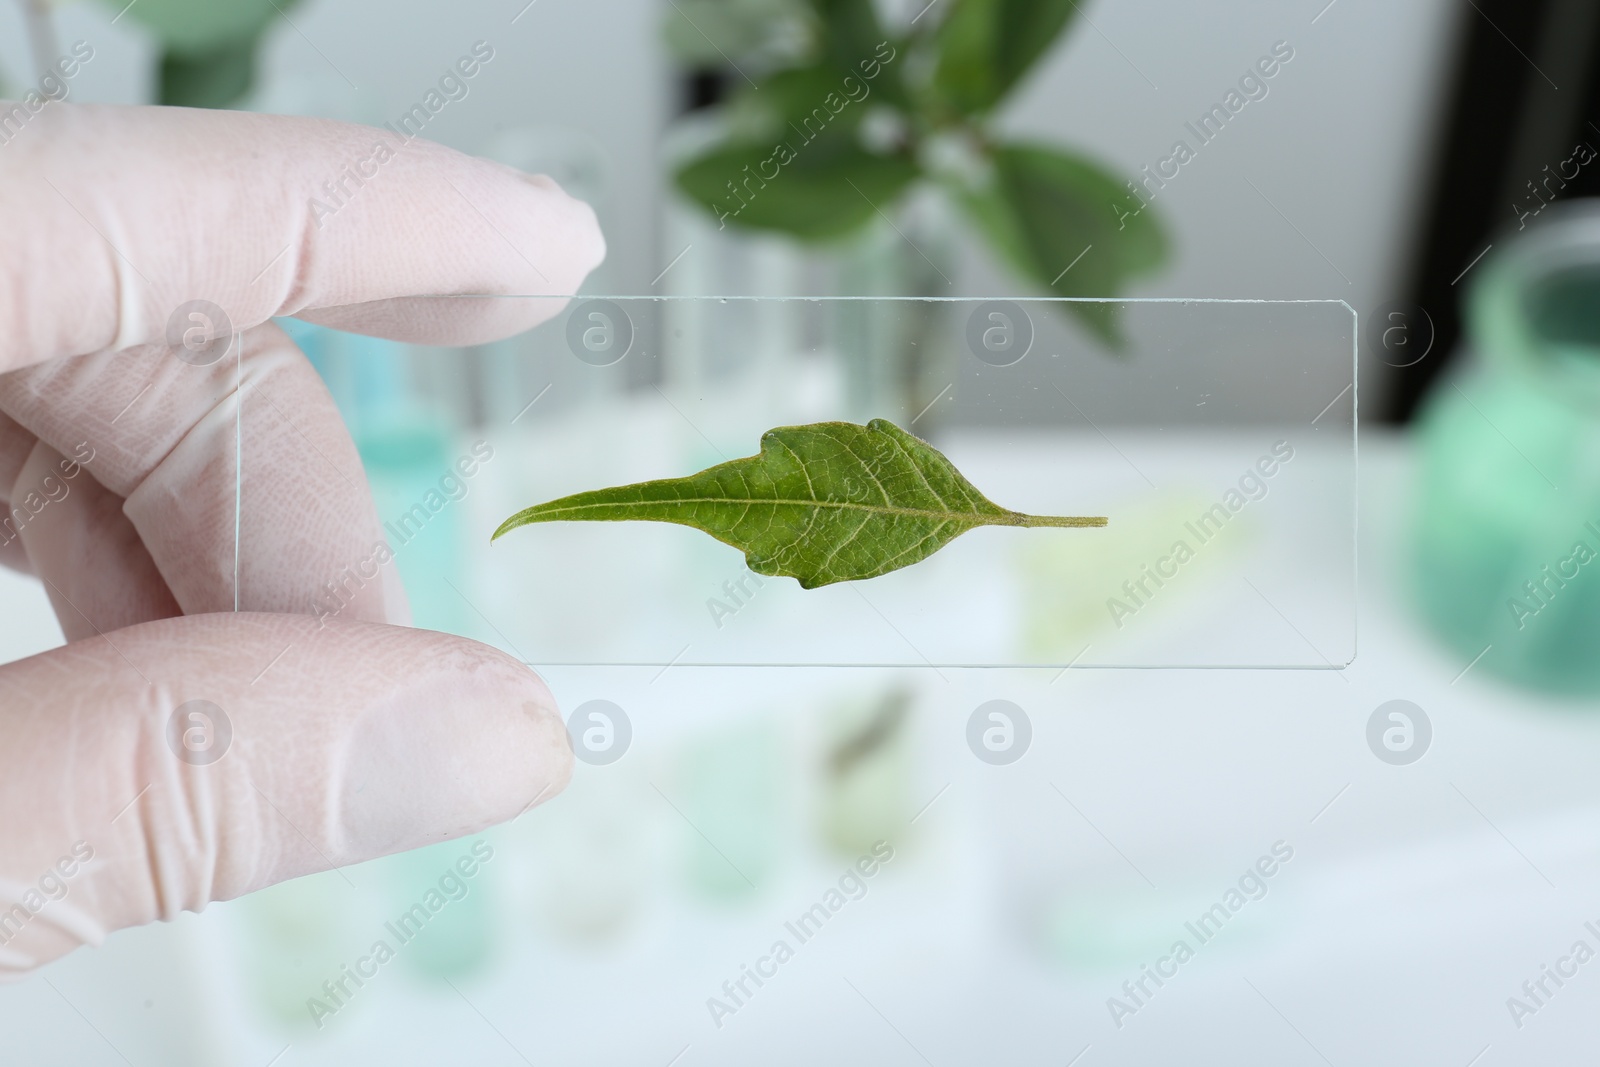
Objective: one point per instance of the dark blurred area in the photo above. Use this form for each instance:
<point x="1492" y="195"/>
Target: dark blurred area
<point x="1523" y="92"/>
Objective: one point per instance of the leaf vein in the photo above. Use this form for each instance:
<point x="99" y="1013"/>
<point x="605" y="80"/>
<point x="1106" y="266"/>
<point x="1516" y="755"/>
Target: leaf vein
<point x="920" y="473"/>
<point x="843" y="505"/>
<point x="866" y="468"/>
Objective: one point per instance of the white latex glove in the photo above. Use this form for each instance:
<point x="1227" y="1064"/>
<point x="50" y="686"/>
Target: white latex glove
<point x="350" y="740"/>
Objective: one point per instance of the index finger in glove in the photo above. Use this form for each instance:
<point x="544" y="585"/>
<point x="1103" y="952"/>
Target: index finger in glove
<point x="238" y="476"/>
<point x="115" y="218"/>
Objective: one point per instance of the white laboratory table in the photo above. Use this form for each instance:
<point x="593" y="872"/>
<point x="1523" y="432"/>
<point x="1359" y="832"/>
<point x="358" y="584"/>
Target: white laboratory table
<point x="1415" y="900"/>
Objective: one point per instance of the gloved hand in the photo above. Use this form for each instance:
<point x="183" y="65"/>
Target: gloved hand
<point x="351" y="737"/>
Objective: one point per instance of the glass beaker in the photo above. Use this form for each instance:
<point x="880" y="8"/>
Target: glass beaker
<point x="1507" y="547"/>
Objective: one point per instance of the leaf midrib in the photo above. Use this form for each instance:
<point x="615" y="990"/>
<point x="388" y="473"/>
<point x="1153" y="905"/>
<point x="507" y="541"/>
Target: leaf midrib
<point x="880" y="509"/>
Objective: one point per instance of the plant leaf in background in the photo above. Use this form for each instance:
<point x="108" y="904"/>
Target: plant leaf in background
<point x="212" y="77"/>
<point x="830" y="188"/>
<point x="208" y="46"/>
<point x="849" y="29"/>
<point x="986" y="46"/>
<point x="1043" y="208"/>
<point x="1037" y="206"/>
<point x="793" y="96"/>
<point x="823" y="503"/>
<point x="740" y="32"/>
<point x="848" y="32"/>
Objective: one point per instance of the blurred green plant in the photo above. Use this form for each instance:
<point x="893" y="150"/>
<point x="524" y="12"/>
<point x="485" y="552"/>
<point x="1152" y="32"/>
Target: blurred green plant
<point x="208" y="47"/>
<point x="836" y="117"/>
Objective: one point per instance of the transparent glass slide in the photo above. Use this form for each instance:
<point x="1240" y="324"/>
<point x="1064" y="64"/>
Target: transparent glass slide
<point x="1218" y="438"/>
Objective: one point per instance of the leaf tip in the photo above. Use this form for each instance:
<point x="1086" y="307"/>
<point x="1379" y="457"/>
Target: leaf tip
<point x="504" y="528"/>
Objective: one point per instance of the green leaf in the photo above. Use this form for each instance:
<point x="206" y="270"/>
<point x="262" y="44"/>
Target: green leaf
<point x="829" y="502"/>
<point x="853" y="41"/>
<point x="196" y="26"/>
<point x="986" y="46"/>
<point x="800" y="94"/>
<point x="217" y="77"/>
<point x="208" y="47"/>
<point x="738" y="33"/>
<point x="829" y="186"/>
<point x="850" y="30"/>
<point x="1044" y="208"/>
